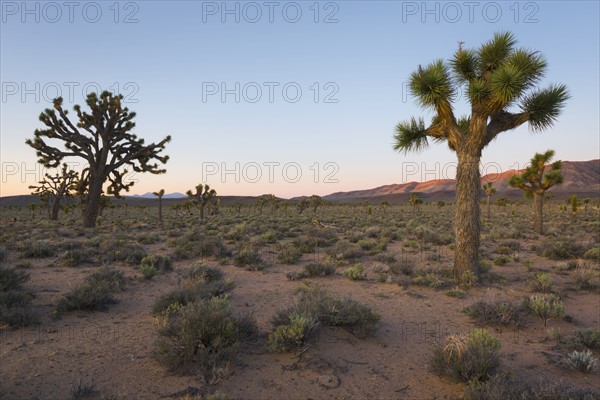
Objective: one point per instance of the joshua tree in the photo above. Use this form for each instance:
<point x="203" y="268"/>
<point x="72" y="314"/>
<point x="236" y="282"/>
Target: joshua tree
<point x="534" y="181"/>
<point x="315" y="202"/>
<point x="260" y="203"/>
<point x="204" y="195"/>
<point x="384" y="206"/>
<point x="574" y="204"/>
<point x="160" y="195"/>
<point x="32" y="207"/>
<point x="495" y="77"/>
<point x="54" y="188"/>
<point x="273" y="202"/>
<point x="489" y="190"/>
<point x="302" y="205"/>
<point x="415" y="200"/>
<point x="103" y="139"/>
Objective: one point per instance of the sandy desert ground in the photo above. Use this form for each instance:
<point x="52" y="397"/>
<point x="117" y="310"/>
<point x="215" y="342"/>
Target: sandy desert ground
<point x="406" y="255"/>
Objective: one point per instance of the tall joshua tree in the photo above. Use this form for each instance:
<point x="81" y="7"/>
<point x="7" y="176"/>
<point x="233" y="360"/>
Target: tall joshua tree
<point x="489" y="190"/>
<point x="103" y="140"/>
<point x="535" y="181"/>
<point x="496" y="78"/>
<point x="54" y="188"/>
<point x="204" y="195"/>
<point x="160" y="195"/>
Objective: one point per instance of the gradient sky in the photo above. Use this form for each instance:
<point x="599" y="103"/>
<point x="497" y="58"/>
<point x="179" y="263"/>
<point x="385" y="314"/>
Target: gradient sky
<point x="165" y="57"/>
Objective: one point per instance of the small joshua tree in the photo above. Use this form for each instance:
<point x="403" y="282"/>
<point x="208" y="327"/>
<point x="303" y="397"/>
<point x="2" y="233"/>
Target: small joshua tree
<point x="160" y="195"/>
<point x="204" y="195"/>
<point x="302" y="205"/>
<point x="260" y="203"/>
<point x="535" y="181"/>
<point x="415" y="200"/>
<point x="54" y="188"/>
<point x="315" y="202"/>
<point x="489" y="190"/>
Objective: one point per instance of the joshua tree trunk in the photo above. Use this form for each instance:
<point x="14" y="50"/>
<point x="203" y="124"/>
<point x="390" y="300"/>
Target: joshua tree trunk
<point x="538" y="199"/>
<point x="202" y="212"/>
<point x="92" y="207"/>
<point x="55" y="209"/>
<point x="160" y="209"/>
<point x="489" y="207"/>
<point x="467" y="219"/>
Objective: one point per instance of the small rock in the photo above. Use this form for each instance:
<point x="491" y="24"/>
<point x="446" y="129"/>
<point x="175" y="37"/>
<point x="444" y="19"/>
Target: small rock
<point x="329" y="381"/>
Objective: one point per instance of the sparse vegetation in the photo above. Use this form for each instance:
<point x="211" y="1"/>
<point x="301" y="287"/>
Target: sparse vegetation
<point x="95" y="293"/>
<point x="494" y="314"/>
<point x="201" y="338"/>
<point x="546" y="306"/>
<point x="471" y="358"/>
<point x="313" y="308"/>
<point x="582" y="361"/>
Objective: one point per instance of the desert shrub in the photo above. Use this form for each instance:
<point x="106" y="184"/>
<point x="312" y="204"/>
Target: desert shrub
<point x="582" y="361"/>
<point x="456" y="292"/>
<point x="471" y="358"/>
<point x="202" y="338"/>
<point x="293" y="334"/>
<point x="320" y="269"/>
<point x="207" y="274"/>
<point x="559" y="249"/>
<point x="313" y="269"/>
<point x="494" y="314"/>
<point x="546" y="306"/>
<point x="37" y="249"/>
<point x="11" y="278"/>
<point x="148" y="238"/>
<point x="289" y="253"/>
<point x="155" y="264"/>
<point x="431" y="277"/>
<point x="238" y="232"/>
<point x="467" y="280"/>
<point x="15" y="306"/>
<point x="321" y="237"/>
<point x="248" y="256"/>
<point x="95" y="293"/>
<point x="566" y="265"/>
<point x="502" y="260"/>
<point x="344" y="250"/>
<point x="586" y="338"/>
<point x="356" y="272"/>
<point x="387" y="258"/>
<point x="82" y="389"/>
<point x="74" y="256"/>
<point x="271" y="236"/>
<point x="202" y="283"/>
<point x="592" y="254"/>
<point x="503" y="387"/>
<point x="586" y="277"/>
<point x="541" y="282"/>
<point x="115" y="249"/>
<point x="195" y="244"/>
<point x="313" y="308"/>
<point x="404" y="266"/>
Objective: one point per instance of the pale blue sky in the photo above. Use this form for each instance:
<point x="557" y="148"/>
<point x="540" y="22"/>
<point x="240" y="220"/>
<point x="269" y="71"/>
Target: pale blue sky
<point x="162" y="62"/>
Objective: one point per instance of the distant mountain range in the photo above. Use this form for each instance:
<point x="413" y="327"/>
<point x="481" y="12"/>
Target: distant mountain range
<point x="150" y="195"/>
<point x="580" y="177"/>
